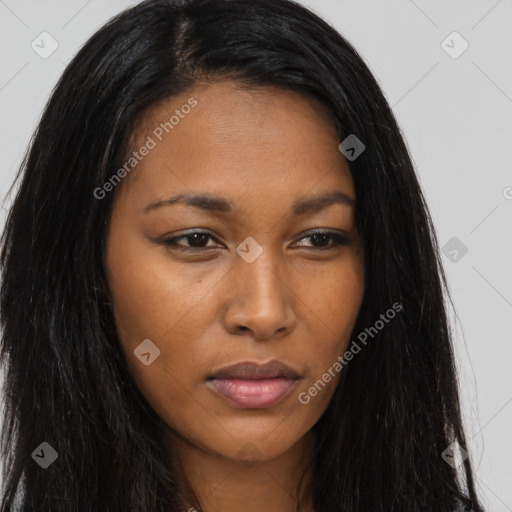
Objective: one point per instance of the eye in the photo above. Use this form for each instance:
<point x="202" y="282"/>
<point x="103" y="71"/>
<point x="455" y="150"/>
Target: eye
<point x="197" y="240"/>
<point x="320" y="238"/>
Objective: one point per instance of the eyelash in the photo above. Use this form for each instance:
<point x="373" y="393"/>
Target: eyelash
<point x="339" y="240"/>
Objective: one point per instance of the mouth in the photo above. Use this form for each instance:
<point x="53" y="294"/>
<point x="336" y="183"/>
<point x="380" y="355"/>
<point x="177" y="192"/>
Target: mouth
<point x="252" y="393"/>
<point x="254" y="386"/>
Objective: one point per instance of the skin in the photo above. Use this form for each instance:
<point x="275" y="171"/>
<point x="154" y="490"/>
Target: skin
<point x="261" y="149"/>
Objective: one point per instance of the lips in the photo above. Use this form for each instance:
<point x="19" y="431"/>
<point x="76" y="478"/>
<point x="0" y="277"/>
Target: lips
<point x="251" y="385"/>
<point x="249" y="370"/>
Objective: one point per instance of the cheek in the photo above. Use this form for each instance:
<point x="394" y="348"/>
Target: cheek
<point x="151" y="296"/>
<point x="154" y="300"/>
<point x="147" y="306"/>
<point x="333" y="303"/>
<point x="332" y="300"/>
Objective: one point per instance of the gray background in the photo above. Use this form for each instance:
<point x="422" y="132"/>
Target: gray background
<point x="456" y="116"/>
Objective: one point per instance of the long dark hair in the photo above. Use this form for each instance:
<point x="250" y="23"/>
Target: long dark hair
<point x="380" y="443"/>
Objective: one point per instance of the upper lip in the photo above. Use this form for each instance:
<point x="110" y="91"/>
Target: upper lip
<point x="251" y="370"/>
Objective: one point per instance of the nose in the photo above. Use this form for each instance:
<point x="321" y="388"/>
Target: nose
<point x="259" y="302"/>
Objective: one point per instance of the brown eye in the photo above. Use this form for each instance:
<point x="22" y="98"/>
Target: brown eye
<point x="196" y="240"/>
<point x="320" y="240"/>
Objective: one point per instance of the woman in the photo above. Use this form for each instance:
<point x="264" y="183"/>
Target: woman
<point x="221" y="284"/>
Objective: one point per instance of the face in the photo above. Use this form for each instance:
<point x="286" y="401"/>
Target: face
<point x="254" y="283"/>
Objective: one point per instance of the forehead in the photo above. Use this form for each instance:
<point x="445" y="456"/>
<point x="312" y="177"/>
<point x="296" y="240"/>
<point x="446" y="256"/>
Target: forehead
<point x="263" y="139"/>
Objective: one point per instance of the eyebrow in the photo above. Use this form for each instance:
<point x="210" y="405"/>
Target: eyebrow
<point x="216" y="204"/>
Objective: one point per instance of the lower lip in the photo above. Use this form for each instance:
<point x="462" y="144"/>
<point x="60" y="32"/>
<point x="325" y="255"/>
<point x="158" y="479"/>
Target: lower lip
<point x="252" y="394"/>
